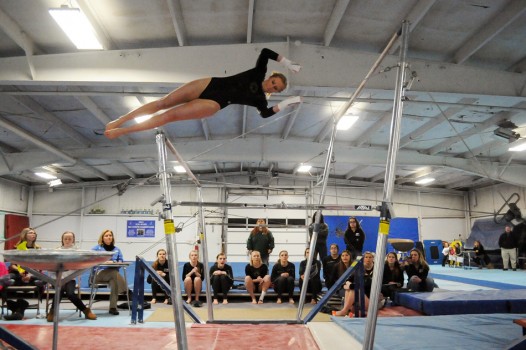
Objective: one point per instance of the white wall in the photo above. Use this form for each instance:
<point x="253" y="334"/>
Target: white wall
<point x="441" y="216"/>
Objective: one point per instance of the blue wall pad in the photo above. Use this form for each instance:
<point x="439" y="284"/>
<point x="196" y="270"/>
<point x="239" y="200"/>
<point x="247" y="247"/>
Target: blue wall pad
<point x="439" y="332"/>
<point x="461" y="302"/>
<point x="433" y="251"/>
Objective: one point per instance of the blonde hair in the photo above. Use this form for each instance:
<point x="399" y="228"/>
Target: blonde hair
<point x="23" y="237"/>
<point x="101" y="237"/>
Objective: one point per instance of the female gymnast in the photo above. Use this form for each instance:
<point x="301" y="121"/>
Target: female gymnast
<point x="204" y="97"/>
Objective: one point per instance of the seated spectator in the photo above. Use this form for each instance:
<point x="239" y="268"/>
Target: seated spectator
<point x="338" y="270"/>
<point x="456" y="258"/>
<point x="160" y="265"/>
<point x="111" y="275"/>
<point x="221" y="278"/>
<point x="481" y="258"/>
<point x="393" y="278"/>
<point x="349" y="299"/>
<point x="445" y="252"/>
<point x="27" y="241"/>
<point x="314" y="286"/>
<point x="417" y="271"/>
<point x="282" y="277"/>
<point x="193" y="272"/>
<point x="17" y="307"/>
<point x="323" y="231"/>
<point x="70" y="288"/>
<point x="257" y="277"/>
<point x="328" y="264"/>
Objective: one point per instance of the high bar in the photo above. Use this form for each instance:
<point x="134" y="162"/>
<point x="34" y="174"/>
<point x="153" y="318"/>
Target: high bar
<point x="282" y="205"/>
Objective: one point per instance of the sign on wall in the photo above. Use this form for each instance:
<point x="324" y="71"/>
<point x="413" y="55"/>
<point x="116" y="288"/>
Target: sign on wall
<point x="140" y="228"/>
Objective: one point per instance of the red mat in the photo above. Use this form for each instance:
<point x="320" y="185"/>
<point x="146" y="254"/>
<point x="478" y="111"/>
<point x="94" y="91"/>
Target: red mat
<point x="200" y="337"/>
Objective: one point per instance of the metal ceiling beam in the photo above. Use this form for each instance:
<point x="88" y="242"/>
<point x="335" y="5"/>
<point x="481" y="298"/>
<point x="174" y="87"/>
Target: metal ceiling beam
<point x="434" y="121"/>
<point x="47" y="147"/>
<point x="19" y="36"/>
<point x="378" y="177"/>
<point x="290" y="123"/>
<point x="479" y="151"/>
<point x="514" y="10"/>
<point x="206" y="128"/>
<point x="354" y="171"/>
<point x="334" y="21"/>
<point x="240" y="150"/>
<point x="470" y="132"/>
<point x="174" y="6"/>
<point x="417" y="174"/>
<point x="59" y="171"/>
<point x="36" y="108"/>
<point x="125" y="169"/>
<point x="368" y="134"/>
<point x="100" y="115"/>
<point x="415" y="15"/>
<point x="26" y="135"/>
<point x="101" y="32"/>
<point x="145" y="66"/>
<point x="244" y="122"/>
<point x="250" y="22"/>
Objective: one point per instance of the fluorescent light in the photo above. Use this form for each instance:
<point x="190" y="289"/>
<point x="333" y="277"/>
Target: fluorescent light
<point x="46" y="176"/>
<point x="77" y="27"/>
<point x="346" y="122"/>
<point x="304" y="168"/>
<point x="55" y="182"/>
<point x="424" y="181"/>
<point x="179" y="169"/>
<point x="518" y="146"/>
<point x="142" y="118"/>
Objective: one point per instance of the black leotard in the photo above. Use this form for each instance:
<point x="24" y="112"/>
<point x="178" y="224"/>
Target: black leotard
<point x="243" y="88"/>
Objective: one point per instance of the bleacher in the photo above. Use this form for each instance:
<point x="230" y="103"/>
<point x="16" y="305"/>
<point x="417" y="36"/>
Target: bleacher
<point x="238" y="289"/>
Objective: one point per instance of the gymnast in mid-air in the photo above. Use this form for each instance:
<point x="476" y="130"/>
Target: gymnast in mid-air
<point x="204" y="97"/>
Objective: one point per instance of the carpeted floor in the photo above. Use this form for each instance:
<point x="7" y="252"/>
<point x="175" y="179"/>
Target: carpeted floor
<point x="226" y="313"/>
<point x="285" y="312"/>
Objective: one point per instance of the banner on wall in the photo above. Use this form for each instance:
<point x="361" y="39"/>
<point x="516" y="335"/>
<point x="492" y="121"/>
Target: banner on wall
<point x="140" y="228"/>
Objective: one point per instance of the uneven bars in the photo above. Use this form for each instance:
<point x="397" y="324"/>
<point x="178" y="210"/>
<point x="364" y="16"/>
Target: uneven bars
<point x="360" y="87"/>
<point x="282" y="205"/>
<point x="182" y="162"/>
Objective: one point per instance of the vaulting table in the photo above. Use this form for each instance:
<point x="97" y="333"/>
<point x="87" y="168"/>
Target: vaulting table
<point x="56" y="261"/>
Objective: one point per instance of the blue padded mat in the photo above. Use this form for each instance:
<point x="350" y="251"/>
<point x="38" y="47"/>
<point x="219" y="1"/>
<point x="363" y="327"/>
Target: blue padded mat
<point x="462" y="302"/>
<point x="439" y="332"/>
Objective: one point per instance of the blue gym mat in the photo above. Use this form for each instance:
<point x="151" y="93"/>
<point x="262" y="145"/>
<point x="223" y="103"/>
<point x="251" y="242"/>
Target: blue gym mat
<point x="465" y="302"/>
<point x="440" y="332"/>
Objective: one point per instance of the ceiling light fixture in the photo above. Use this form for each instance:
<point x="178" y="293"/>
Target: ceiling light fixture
<point x="304" y="168"/>
<point x="424" y="181"/>
<point x="77" y="27"/>
<point x="179" y="169"/>
<point x="54" y="183"/>
<point x="346" y="122"/>
<point x="517" y="146"/>
<point x="46" y="176"/>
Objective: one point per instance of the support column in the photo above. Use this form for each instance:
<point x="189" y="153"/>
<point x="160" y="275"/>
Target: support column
<point x="169" y="231"/>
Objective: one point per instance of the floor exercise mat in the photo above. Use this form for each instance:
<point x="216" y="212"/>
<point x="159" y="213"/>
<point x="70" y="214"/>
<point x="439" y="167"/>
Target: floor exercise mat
<point x="462" y="302"/>
<point x="438" y="332"/>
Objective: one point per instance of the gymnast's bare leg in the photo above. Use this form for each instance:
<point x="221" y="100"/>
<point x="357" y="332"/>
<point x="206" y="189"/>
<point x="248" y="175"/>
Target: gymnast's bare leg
<point x="181" y="104"/>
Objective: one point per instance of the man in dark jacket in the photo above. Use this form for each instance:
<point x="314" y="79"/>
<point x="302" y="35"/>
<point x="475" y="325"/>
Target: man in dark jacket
<point x="508" y="248"/>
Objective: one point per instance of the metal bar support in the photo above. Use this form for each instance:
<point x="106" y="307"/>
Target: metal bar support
<point x="171" y="249"/>
<point x="386" y="209"/>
